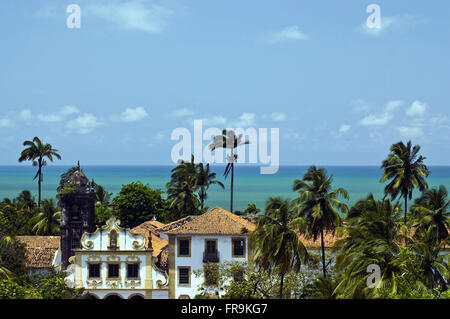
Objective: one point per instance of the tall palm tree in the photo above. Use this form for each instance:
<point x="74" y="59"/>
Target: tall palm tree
<point x="433" y="209"/>
<point x="204" y="180"/>
<point x="276" y="242"/>
<point x="48" y="220"/>
<point x="318" y="205"/>
<point x="372" y="236"/>
<point x="229" y="140"/>
<point x="406" y="170"/>
<point x="37" y="151"/>
<point x="182" y="187"/>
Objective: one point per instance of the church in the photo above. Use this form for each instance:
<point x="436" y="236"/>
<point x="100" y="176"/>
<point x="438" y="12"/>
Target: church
<point x="150" y="261"/>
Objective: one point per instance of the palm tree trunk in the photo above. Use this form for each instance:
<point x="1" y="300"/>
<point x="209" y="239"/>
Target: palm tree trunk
<point x="39" y="182"/>
<point x="281" y="286"/>
<point x="202" y="197"/>
<point x="232" y="180"/>
<point x="406" y="209"/>
<point x="323" y="253"/>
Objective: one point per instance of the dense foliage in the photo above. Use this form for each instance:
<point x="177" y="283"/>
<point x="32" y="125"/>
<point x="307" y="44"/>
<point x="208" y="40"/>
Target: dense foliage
<point x="137" y="203"/>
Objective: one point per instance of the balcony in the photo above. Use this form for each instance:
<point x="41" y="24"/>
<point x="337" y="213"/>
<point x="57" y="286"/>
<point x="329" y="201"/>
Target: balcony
<point x="211" y="257"/>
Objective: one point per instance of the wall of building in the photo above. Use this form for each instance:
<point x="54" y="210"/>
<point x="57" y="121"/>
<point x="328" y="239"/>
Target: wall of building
<point x="195" y="261"/>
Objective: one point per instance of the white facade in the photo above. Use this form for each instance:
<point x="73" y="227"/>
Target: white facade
<point x="195" y="260"/>
<point x="114" y="262"/>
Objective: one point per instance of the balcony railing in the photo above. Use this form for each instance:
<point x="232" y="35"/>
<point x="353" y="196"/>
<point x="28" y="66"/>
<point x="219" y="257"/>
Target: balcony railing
<point x="211" y="256"/>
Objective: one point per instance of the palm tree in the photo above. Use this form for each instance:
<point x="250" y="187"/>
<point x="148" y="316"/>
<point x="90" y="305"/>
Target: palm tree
<point x="251" y="209"/>
<point x="432" y="209"/>
<point x="276" y="242"/>
<point x="228" y="140"/>
<point x="25" y="200"/>
<point x="36" y="151"/>
<point x="372" y="236"/>
<point x="204" y="180"/>
<point x="318" y="205"/>
<point x="405" y="167"/>
<point x="102" y="196"/>
<point x="433" y="265"/>
<point x="47" y="221"/>
<point x="182" y="187"/>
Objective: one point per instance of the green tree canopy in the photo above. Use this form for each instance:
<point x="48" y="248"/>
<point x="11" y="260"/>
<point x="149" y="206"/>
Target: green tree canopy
<point x="137" y="203"/>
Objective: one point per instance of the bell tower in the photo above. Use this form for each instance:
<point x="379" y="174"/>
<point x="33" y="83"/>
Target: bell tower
<point x="77" y="201"/>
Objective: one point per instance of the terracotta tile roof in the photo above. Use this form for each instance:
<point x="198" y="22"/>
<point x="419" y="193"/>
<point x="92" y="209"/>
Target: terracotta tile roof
<point x="152" y="234"/>
<point x="146" y="227"/>
<point x="156" y="223"/>
<point x="328" y="237"/>
<point x="176" y="223"/>
<point x="216" y="221"/>
<point x="40" y="250"/>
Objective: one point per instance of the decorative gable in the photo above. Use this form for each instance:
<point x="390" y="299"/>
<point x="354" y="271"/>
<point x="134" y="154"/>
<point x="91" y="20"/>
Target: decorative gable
<point x="112" y="237"/>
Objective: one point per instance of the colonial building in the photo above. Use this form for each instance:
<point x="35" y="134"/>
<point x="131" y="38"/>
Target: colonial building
<point x="114" y="262"/>
<point x="216" y="236"/>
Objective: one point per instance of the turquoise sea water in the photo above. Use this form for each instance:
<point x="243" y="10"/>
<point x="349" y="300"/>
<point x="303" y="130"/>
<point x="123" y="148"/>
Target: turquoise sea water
<point x="250" y="185"/>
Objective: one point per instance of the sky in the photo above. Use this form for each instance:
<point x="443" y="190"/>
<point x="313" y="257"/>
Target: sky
<point x="112" y="91"/>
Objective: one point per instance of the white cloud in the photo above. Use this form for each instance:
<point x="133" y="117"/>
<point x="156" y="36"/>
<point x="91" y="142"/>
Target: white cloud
<point x="136" y="15"/>
<point x="84" y="124"/>
<point x="133" y="115"/>
<point x="62" y="114"/>
<point x="371" y="119"/>
<point x="5" y="122"/>
<point x="385" y="117"/>
<point x="25" y="115"/>
<point x="69" y="110"/>
<point x="417" y="108"/>
<point x="245" y="120"/>
<point x="287" y="34"/>
<point x="410" y="132"/>
<point x="344" y="128"/>
<point x="393" y="105"/>
<point x="276" y="116"/>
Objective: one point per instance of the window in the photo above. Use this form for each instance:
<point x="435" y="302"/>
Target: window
<point x="184" y="247"/>
<point x="94" y="270"/>
<point x="238" y="247"/>
<point x="211" y="246"/>
<point x="184" y="275"/>
<point x="113" y="270"/>
<point x="132" y="270"/>
<point x="211" y="254"/>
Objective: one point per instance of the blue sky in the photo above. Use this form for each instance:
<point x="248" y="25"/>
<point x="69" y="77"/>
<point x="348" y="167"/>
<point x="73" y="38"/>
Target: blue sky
<point x="112" y="91"/>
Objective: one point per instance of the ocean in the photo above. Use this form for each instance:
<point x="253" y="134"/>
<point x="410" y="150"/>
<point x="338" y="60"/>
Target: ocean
<point x="249" y="185"/>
